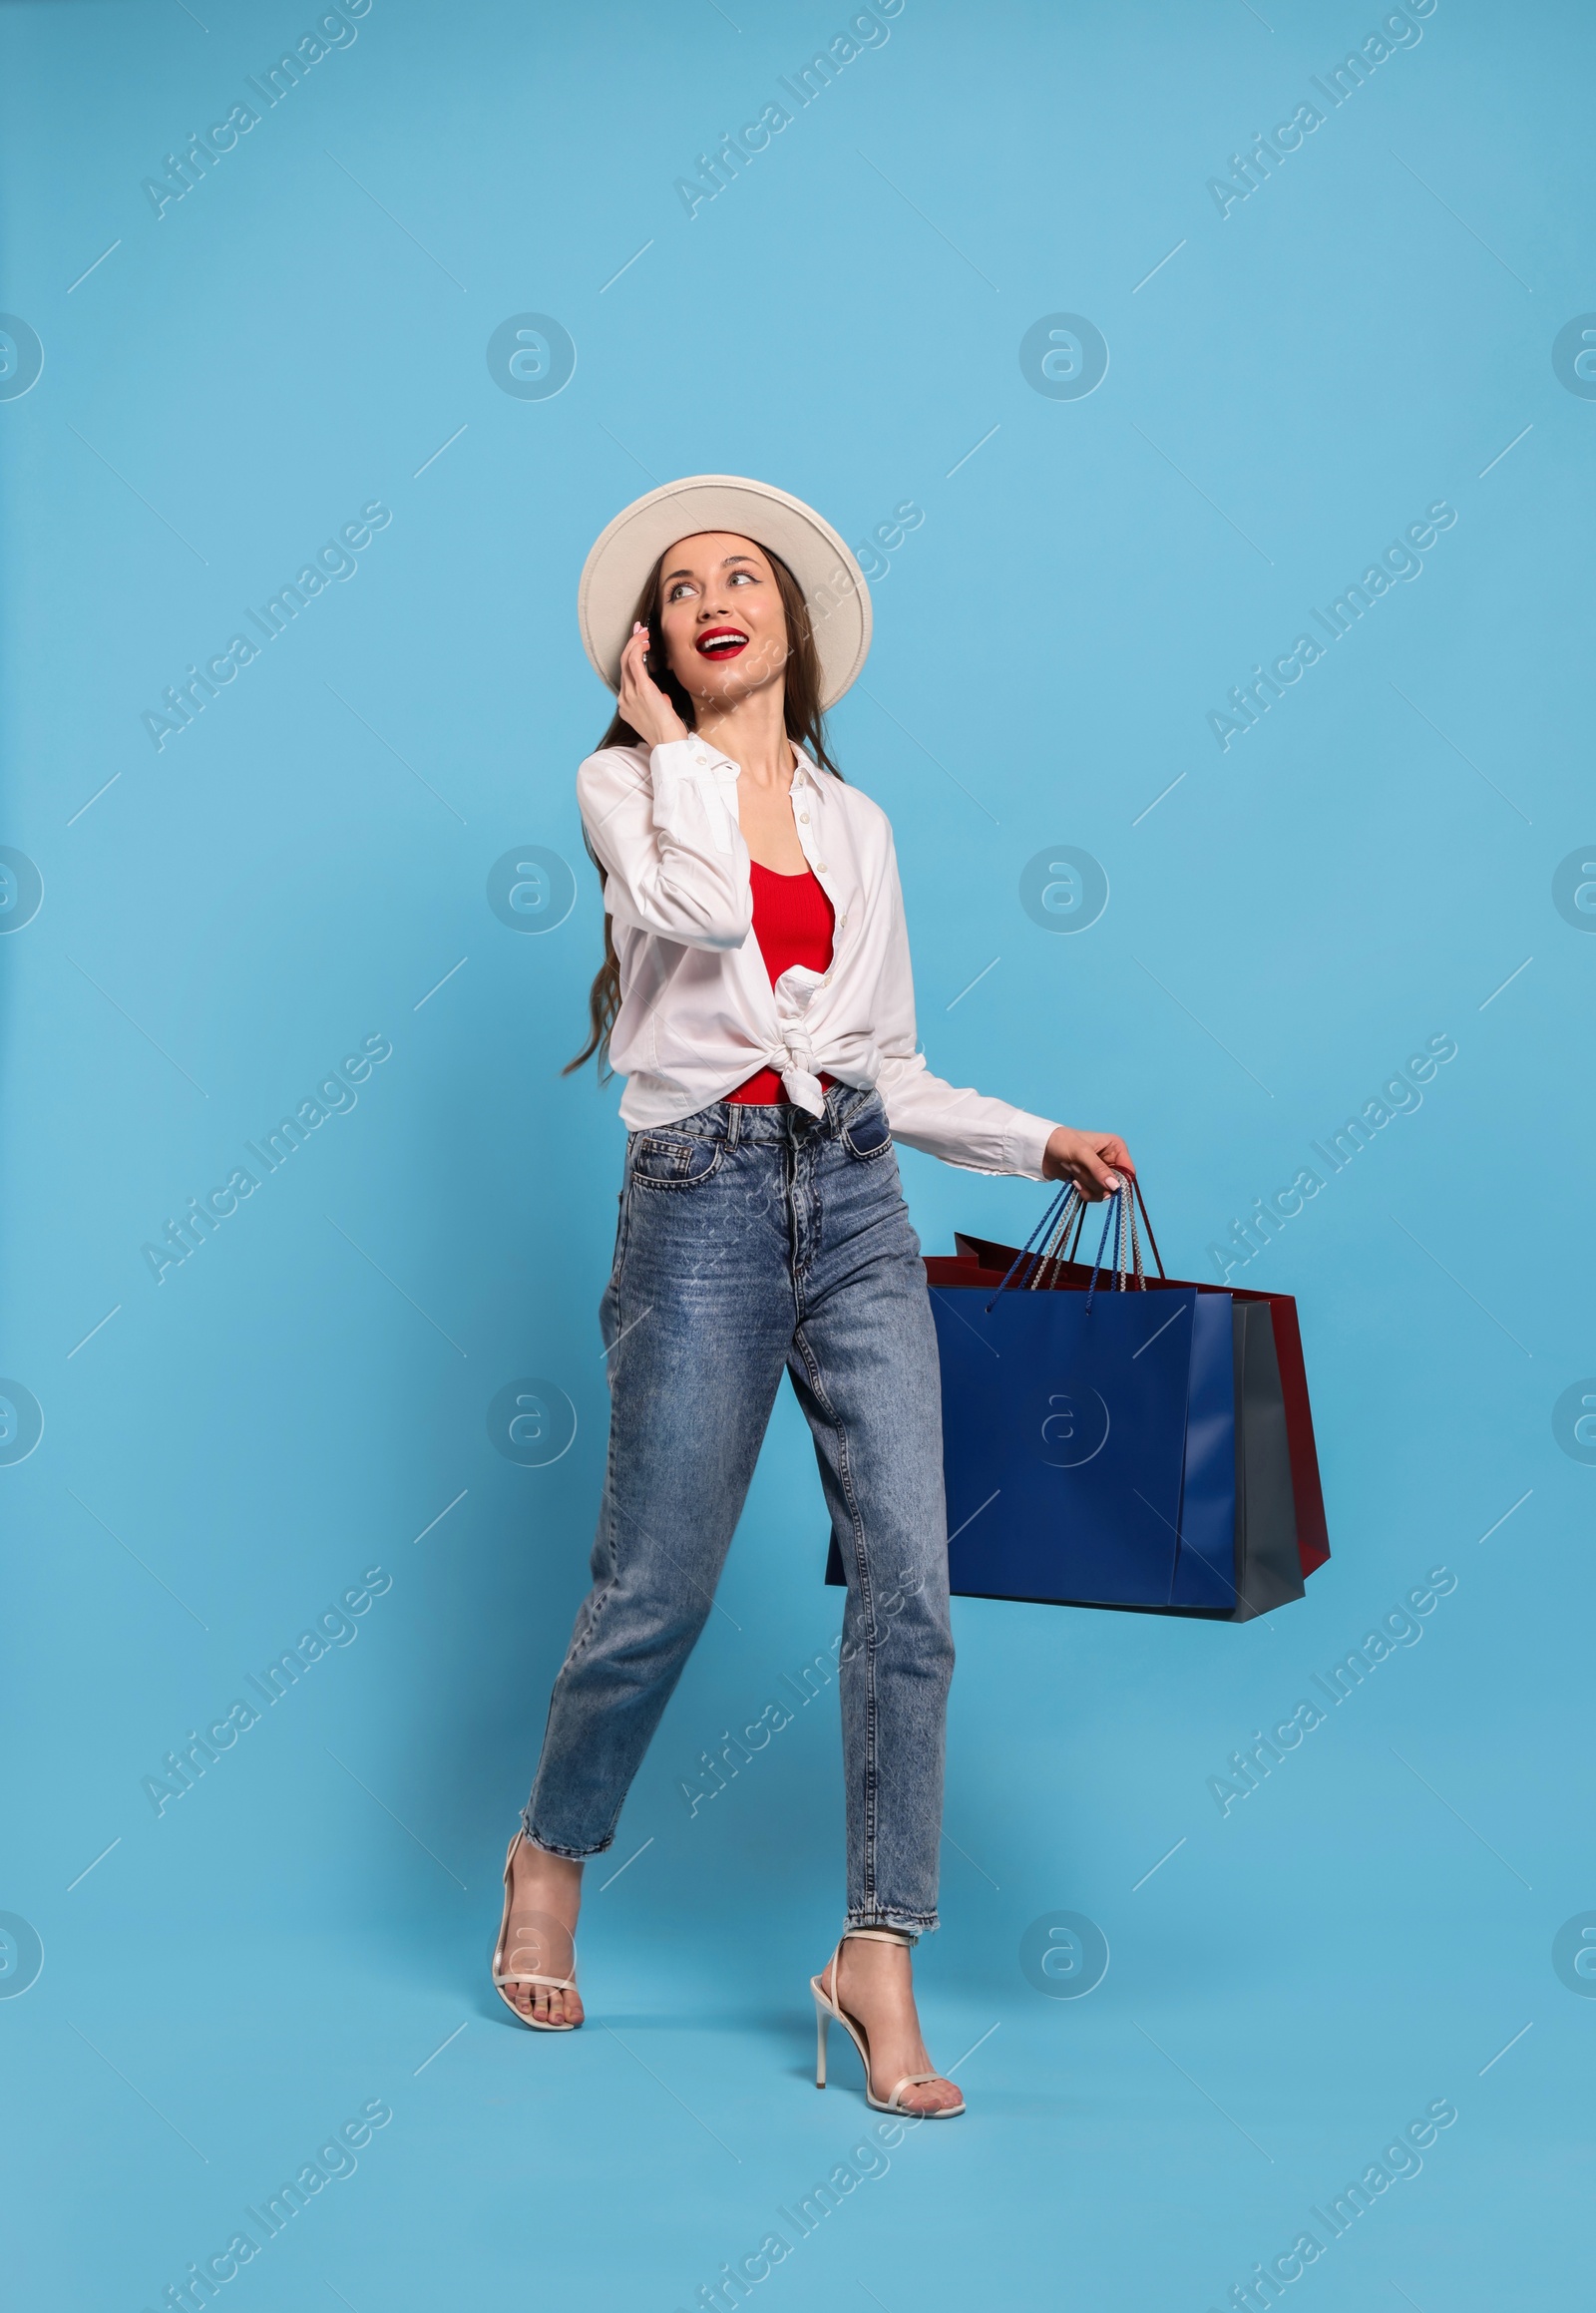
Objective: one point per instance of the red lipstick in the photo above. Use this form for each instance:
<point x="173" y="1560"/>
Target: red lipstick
<point x="721" y="643"/>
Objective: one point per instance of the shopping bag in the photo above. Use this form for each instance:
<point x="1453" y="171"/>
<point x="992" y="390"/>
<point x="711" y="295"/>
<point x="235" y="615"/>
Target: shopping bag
<point x="1313" y="1537"/>
<point x="1112" y="1438"/>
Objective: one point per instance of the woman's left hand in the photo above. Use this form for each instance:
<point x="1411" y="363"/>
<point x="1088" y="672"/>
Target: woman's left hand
<point x="1094" y="1161"/>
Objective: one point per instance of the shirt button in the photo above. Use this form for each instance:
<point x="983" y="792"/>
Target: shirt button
<point x="820" y="867"/>
<point x="803" y="818"/>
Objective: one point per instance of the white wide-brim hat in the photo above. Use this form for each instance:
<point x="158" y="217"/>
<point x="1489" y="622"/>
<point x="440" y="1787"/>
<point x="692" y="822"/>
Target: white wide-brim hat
<point x="830" y="579"/>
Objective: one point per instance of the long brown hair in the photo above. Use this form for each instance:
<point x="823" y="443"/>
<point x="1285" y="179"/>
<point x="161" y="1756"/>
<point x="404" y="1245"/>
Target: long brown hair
<point x="805" y="724"/>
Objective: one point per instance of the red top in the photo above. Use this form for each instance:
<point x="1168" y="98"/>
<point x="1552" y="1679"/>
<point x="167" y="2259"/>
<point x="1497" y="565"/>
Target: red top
<point x="793" y="921"/>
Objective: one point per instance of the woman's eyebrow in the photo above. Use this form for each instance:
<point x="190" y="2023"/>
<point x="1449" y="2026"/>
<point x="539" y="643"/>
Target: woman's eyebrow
<point x="725" y="565"/>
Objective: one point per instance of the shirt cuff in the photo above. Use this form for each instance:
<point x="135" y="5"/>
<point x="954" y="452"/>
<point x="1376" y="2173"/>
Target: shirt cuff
<point x="686" y="766"/>
<point x="691" y="758"/>
<point x="1026" y="1145"/>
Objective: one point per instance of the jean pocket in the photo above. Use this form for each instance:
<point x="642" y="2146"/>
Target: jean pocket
<point x="867" y="1133"/>
<point x="674" y="1161"/>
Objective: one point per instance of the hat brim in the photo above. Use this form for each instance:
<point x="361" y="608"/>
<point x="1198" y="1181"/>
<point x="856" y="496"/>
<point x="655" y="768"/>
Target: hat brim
<point x="829" y="578"/>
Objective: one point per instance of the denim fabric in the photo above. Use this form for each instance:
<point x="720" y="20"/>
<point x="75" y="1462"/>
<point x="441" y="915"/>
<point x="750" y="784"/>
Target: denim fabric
<point x="753" y="1239"/>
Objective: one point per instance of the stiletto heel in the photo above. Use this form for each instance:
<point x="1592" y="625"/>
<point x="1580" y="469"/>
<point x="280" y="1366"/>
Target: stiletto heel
<point x="828" y="2009"/>
<point x="502" y="1976"/>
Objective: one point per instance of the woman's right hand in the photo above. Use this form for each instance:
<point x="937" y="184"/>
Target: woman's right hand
<point x="1094" y="1161"/>
<point x="642" y="702"/>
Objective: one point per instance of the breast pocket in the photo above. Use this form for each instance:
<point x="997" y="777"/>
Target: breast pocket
<point x="674" y="1161"/>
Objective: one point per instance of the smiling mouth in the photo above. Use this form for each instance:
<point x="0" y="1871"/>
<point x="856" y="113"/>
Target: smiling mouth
<point x="721" y="643"/>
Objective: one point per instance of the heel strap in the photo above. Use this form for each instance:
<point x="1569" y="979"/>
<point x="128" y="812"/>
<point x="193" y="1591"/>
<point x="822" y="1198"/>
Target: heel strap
<point x="873" y="1935"/>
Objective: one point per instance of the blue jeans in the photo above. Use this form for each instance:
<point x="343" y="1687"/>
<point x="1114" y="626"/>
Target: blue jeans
<point x="753" y="1239"/>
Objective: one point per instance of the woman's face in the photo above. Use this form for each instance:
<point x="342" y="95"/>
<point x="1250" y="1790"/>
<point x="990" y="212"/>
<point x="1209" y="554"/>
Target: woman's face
<point x="721" y="615"/>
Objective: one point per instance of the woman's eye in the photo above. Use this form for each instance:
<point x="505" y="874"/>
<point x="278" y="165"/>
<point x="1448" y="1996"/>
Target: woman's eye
<point x="745" y="576"/>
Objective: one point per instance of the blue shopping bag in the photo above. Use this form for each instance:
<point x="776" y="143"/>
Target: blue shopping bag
<point x="1090" y="1436"/>
<point x="1088" y="1446"/>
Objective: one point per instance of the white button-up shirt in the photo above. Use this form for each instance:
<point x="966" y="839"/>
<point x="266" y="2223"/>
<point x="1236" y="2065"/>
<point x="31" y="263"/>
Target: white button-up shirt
<point x="698" y="1016"/>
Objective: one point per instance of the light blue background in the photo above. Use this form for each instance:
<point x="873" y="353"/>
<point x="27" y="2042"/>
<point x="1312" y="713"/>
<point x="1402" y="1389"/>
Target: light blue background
<point x="1361" y="337"/>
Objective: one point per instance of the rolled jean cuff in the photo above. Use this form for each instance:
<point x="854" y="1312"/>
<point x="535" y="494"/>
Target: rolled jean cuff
<point x="909" y="1923"/>
<point x="553" y="1846"/>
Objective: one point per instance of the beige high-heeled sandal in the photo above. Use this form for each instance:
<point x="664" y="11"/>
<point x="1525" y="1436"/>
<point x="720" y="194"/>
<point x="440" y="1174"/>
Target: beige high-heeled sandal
<point x="502" y="1976"/>
<point x="828" y="2011"/>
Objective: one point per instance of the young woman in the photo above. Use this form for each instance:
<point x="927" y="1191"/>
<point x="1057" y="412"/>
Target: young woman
<point x="756" y="996"/>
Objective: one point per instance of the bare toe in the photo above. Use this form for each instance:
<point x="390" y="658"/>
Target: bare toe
<point x="930" y="2096"/>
